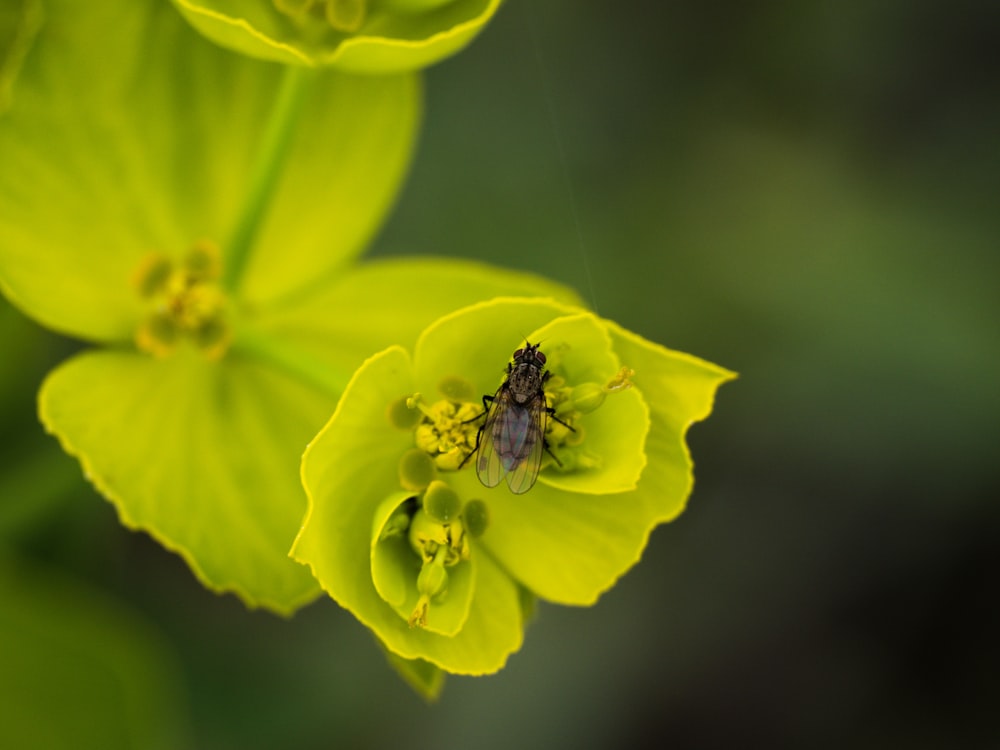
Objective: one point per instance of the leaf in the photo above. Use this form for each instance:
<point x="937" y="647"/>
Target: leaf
<point x="389" y="41"/>
<point x="202" y="455"/>
<point x="79" y="671"/>
<point x="129" y="133"/>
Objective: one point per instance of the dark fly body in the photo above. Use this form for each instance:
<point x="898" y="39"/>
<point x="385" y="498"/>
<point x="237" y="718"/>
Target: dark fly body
<point x="511" y="440"/>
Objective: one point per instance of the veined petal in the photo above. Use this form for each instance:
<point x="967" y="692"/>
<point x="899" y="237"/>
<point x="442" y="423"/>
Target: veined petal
<point x="200" y="454"/>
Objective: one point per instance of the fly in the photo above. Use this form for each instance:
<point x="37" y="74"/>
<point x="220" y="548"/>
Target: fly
<point x="511" y="440"/>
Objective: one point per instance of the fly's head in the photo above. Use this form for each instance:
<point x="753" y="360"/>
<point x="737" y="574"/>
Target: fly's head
<point x="525" y="377"/>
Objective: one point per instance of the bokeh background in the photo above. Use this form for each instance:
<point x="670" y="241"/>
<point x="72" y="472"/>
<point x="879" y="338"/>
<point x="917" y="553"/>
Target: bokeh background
<point x="803" y="192"/>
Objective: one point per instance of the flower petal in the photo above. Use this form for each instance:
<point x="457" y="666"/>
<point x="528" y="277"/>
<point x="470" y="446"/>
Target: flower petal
<point x="476" y="342"/>
<point x="200" y="454"/>
<point x="566" y="547"/>
<point x="113" y="147"/>
<point x="353" y="143"/>
<point x="389" y="41"/>
<point x="616" y="432"/>
<point x="680" y="390"/>
<point x="347" y="471"/>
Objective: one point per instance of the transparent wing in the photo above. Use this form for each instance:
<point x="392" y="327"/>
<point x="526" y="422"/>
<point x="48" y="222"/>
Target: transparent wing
<point x="521" y="477"/>
<point x="489" y="465"/>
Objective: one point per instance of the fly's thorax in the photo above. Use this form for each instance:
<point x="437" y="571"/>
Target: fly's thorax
<point x="524" y="382"/>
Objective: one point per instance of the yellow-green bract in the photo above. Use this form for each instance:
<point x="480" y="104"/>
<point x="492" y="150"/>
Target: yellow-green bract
<point x="360" y="36"/>
<point x="625" y="470"/>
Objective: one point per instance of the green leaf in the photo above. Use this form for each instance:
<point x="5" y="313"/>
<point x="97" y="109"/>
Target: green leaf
<point x="348" y="471"/>
<point x="129" y="133"/>
<point x="391" y="38"/>
<point x="200" y="454"/>
<point x="77" y="670"/>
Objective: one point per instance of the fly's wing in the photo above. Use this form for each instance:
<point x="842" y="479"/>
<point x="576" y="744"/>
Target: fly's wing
<point x="489" y="465"/>
<point x="522" y="476"/>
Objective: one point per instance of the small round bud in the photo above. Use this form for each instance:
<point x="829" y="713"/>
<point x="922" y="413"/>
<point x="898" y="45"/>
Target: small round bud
<point x="476" y="516"/>
<point x="441" y="502"/>
<point x="204" y="261"/>
<point x="457" y="389"/>
<point x="346" y="15"/>
<point x="150" y="278"/>
<point x="401" y="415"/>
<point x="416" y="470"/>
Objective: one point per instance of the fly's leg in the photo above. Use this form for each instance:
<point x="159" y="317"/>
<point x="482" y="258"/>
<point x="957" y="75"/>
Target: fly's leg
<point x="545" y="443"/>
<point x="487" y="400"/>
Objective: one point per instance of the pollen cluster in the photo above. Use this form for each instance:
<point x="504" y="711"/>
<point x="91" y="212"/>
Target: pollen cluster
<point x="341" y="15"/>
<point x="184" y="303"/>
<point x="447" y="432"/>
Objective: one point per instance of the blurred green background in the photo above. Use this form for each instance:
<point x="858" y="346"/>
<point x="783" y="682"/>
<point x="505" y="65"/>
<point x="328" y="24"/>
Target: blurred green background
<point x="803" y="192"/>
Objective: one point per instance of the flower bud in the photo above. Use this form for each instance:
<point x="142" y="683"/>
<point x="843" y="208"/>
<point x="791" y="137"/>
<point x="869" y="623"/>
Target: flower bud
<point x="476" y="516"/>
<point x="441" y="502"/>
<point x="416" y="470"/>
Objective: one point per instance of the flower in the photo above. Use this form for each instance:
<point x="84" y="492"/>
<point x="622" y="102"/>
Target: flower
<point x="196" y="215"/>
<point x="361" y="36"/>
<point x="408" y="539"/>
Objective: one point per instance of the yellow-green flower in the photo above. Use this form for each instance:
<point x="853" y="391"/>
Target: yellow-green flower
<point x="361" y="36"/>
<point x="435" y="563"/>
<point x="196" y="215"/>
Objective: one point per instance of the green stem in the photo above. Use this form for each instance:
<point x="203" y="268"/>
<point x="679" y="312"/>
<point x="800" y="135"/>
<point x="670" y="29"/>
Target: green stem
<point x="274" y="145"/>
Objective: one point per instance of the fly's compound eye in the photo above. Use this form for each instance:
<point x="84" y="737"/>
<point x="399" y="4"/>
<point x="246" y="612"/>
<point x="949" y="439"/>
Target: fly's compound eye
<point x="540" y="358"/>
<point x="518" y="353"/>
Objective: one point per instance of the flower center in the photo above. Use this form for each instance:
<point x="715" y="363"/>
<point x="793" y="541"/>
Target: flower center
<point x="341" y="15"/>
<point x="434" y="528"/>
<point x="184" y="302"/>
